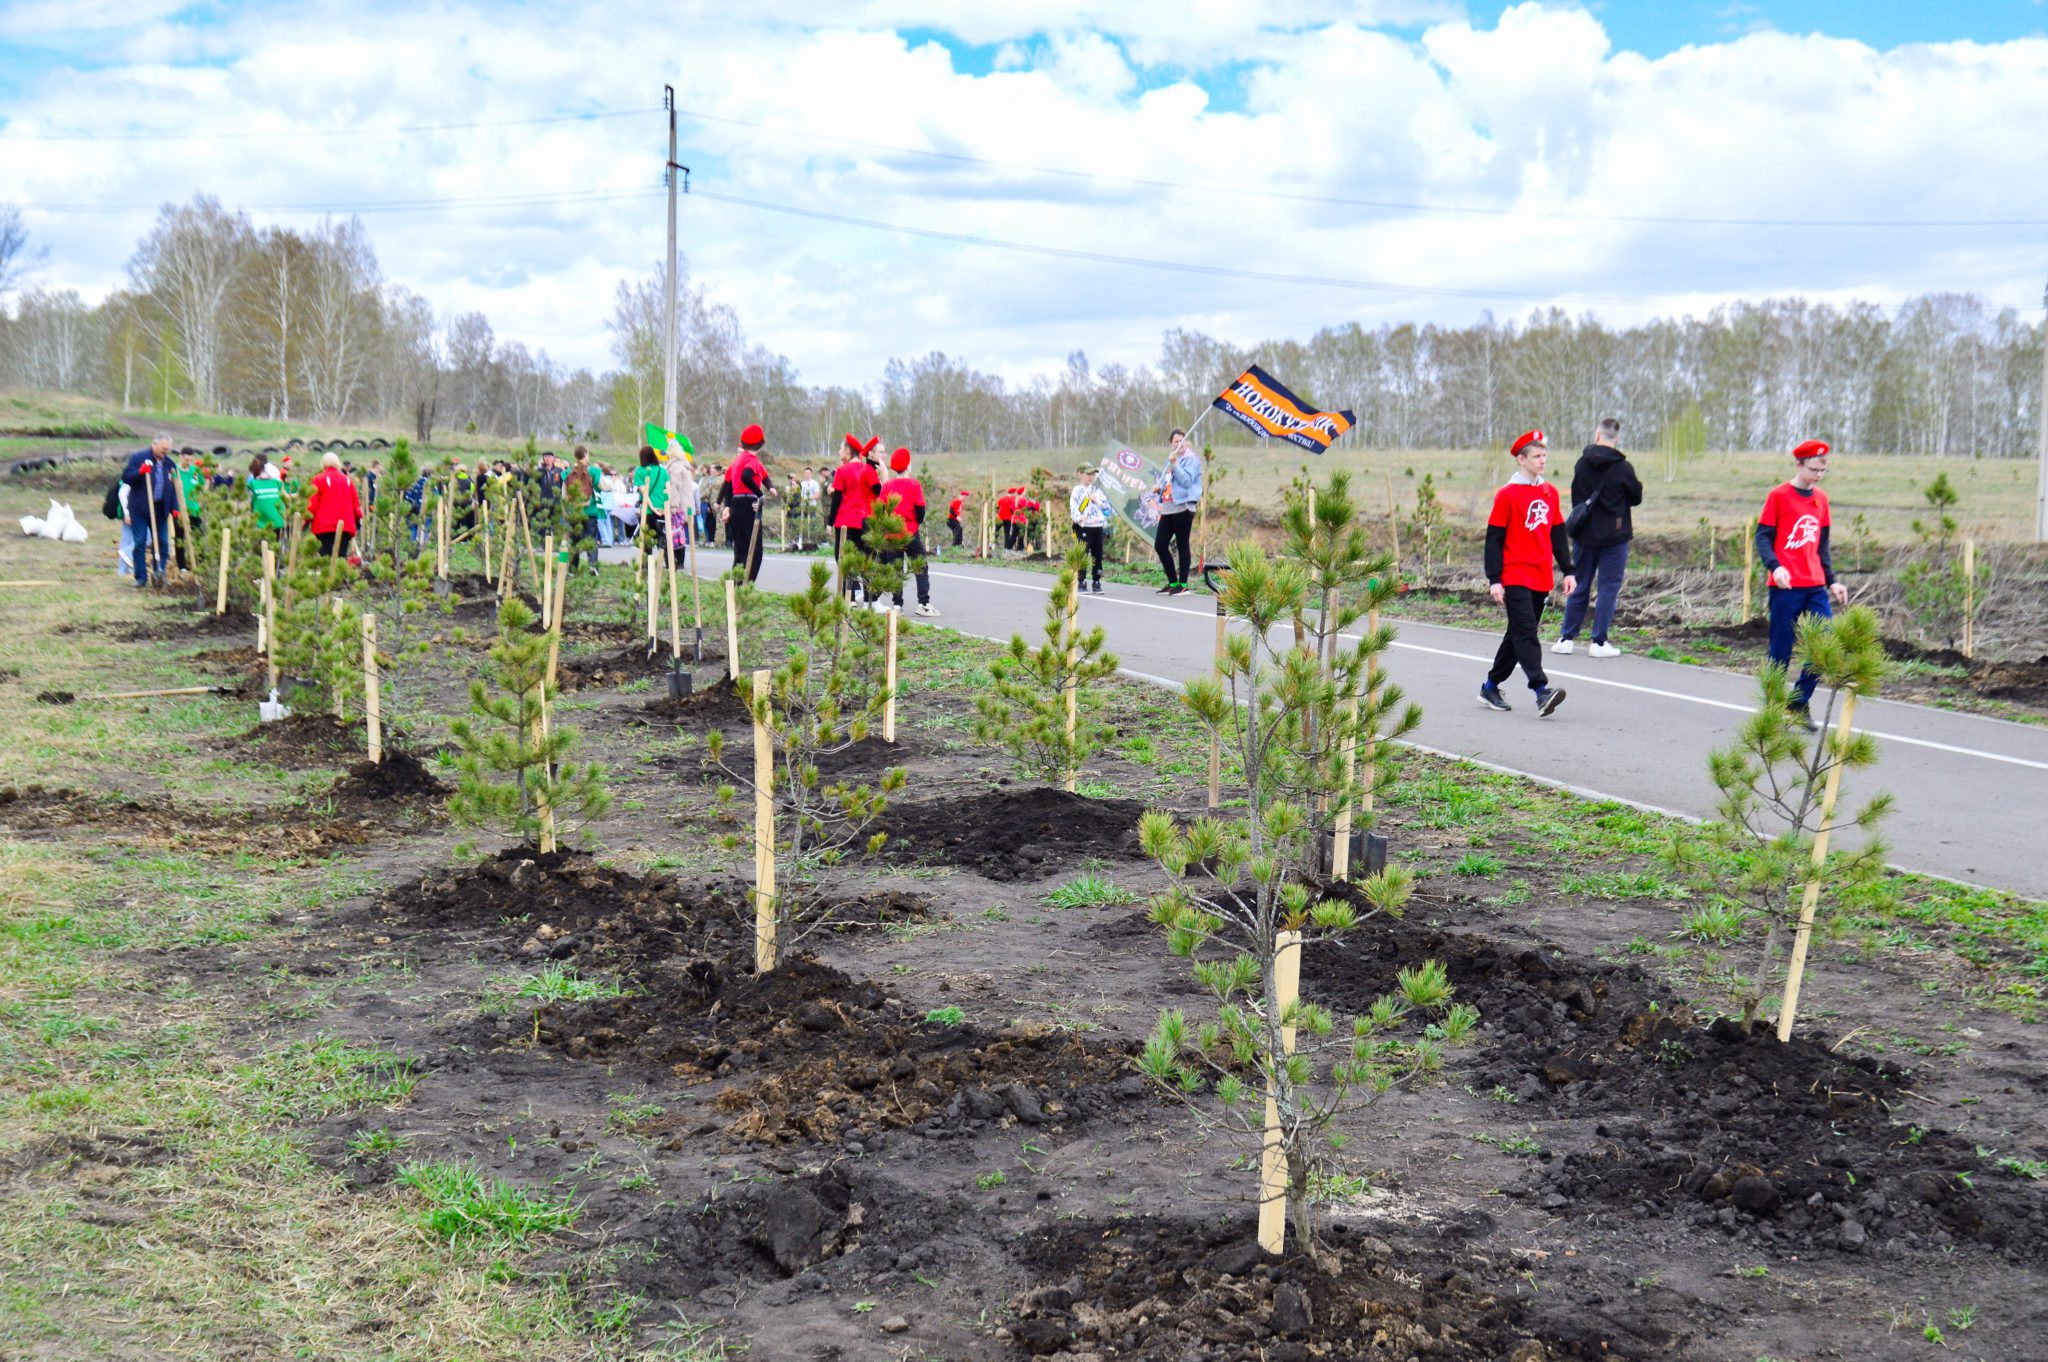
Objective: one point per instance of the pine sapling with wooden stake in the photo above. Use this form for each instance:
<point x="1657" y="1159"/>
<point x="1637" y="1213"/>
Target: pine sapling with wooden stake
<point x="819" y="702"/>
<point x="1767" y="856"/>
<point x="1024" y="711"/>
<point x="514" y="768"/>
<point x="401" y="591"/>
<point x="1280" y="1069"/>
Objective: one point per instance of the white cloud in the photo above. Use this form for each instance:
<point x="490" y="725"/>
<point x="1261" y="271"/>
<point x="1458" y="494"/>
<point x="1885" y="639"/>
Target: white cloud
<point x="1534" y="111"/>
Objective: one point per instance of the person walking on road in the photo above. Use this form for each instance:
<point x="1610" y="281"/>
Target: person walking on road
<point x="1180" y="494"/>
<point x="1605" y="478"/>
<point x="746" y="483"/>
<point x="1792" y="541"/>
<point x="1524" y="538"/>
<point x="1090" y="514"/>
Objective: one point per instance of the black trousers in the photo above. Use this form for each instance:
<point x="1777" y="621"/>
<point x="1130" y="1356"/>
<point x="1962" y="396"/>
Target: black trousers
<point x="326" y="542"/>
<point x="1091" y="536"/>
<point x="1521" y="644"/>
<point x="1172" y="541"/>
<point x="854" y="538"/>
<point x="739" y="532"/>
<point x="953" y="524"/>
<point x="919" y="567"/>
<point x="585" y="541"/>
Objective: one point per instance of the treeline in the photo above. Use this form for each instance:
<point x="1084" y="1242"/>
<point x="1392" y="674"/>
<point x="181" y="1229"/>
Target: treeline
<point x="220" y="316"/>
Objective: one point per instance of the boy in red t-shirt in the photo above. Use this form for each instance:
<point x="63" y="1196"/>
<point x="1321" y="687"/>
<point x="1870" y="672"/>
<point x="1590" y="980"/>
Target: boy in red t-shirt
<point x="953" y="509"/>
<point x="854" y="487"/>
<point x="904" y="495"/>
<point x="1792" y="540"/>
<point x="1524" y="539"/>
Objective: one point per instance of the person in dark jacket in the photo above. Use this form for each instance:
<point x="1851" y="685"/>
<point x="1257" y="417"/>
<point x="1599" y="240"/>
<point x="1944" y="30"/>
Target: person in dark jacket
<point x="1605" y="477"/>
<point x="152" y="503"/>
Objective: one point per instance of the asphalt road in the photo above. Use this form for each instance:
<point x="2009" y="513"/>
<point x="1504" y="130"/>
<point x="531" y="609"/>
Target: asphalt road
<point x="1971" y="792"/>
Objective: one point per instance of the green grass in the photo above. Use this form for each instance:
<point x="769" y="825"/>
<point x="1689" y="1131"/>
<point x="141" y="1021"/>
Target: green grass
<point x="309" y="1080"/>
<point x="1090" y="891"/>
<point x="462" y="1204"/>
<point x="557" y="984"/>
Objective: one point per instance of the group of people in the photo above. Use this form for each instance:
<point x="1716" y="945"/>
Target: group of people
<point x="156" y="499"/>
<point x="1531" y="542"/>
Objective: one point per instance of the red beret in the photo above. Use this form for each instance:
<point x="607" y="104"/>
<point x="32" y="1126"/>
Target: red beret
<point x="752" y="436"/>
<point x="854" y="444"/>
<point x="899" y="462"/>
<point x="1812" y="449"/>
<point x="1527" y="438"/>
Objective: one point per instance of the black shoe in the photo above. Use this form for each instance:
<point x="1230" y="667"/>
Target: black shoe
<point x="1166" y="590"/>
<point x="1097" y="588"/>
<point x="1547" y="701"/>
<point x="1490" y="696"/>
<point x="1178" y="589"/>
<point x="1802" y="717"/>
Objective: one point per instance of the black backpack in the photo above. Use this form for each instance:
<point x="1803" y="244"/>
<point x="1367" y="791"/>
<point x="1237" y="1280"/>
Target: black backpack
<point x="111" y="507"/>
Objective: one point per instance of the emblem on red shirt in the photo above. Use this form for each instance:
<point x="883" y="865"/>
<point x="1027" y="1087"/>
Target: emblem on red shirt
<point x="1805" y="531"/>
<point x="1539" y="515"/>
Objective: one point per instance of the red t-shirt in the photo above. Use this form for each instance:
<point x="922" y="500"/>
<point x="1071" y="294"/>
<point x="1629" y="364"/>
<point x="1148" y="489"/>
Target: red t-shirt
<point x="908" y="494"/>
<point x="1004" y="503"/>
<point x="953" y="508"/>
<point x="856" y="484"/>
<point x="1796" y="520"/>
<point x="1527" y="511"/>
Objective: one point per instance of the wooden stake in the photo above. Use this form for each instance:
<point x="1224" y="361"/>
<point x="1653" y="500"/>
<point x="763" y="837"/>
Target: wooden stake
<point x="269" y="639"/>
<point x="1811" y="900"/>
<point x="675" y="599"/>
<point x="1372" y="697"/>
<point x="766" y="953"/>
<point x="1273" y="1157"/>
<point x="1969" y="598"/>
<point x="372" y="703"/>
<point x="547" y="583"/>
<point x="441" y="535"/>
<point x="1216" y="738"/>
<point x="220" y="595"/>
<point x="981" y="546"/>
<point x="561" y="592"/>
<point x="524" y="522"/>
<point x="485" y="517"/>
<point x="25" y="582"/>
<point x="1748" y="571"/>
<point x="1394" y="525"/>
<point x="1073" y="686"/>
<point x="1340" y="843"/>
<point x="732" y="629"/>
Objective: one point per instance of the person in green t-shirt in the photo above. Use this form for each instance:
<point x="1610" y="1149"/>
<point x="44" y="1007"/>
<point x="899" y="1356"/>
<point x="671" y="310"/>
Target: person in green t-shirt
<point x="266" y="497"/>
<point x="650" y="479"/>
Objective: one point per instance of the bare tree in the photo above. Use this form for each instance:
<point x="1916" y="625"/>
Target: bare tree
<point x="186" y="267"/>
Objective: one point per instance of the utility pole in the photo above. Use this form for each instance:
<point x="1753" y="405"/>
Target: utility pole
<point x="2041" y="434"/>
<point x="668" y="372"/>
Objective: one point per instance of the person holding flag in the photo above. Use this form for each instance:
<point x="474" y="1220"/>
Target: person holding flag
<point x="1180" y="494"/>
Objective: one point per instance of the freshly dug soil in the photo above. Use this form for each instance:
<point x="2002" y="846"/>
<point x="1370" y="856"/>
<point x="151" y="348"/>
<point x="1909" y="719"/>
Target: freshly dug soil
<point x="1024" y="833"/>
<point x="158" y="822"/>
<point x="182" y="622"/>
<point x="713" y="704"/>
<point x="306" y="739"/>
<point x="628" y="662"/>
<point x="1789" y="1144"/>
<point x="402" y="776"/>
<point x="1168" y="1290"/>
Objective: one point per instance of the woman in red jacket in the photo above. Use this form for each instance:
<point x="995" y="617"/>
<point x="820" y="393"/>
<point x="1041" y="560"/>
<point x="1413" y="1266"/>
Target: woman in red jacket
<point x="332" y="509"/>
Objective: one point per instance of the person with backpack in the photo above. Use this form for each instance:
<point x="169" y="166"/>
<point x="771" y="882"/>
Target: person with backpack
<point x="1792" y="541"/>
<point x="1605" y="490"/>
<point x="582" y="508"/>
<point x="1524" y="539"/>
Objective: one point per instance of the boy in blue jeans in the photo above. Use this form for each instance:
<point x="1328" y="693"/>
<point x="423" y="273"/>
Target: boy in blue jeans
<point x="1792" y="540"/>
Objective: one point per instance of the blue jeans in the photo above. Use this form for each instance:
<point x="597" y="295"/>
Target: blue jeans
<point x="1787" y="605"/>
<point x="139" y="535"/>
<point x="1607" y="563"/>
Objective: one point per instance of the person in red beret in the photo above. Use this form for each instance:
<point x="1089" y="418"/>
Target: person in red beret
<point x="854" y="487"/>
<point x="904" y="495"/>
<point x="1525" y="539"/>
<point x="740" y="492"/>
<point x="1792" y="541"/>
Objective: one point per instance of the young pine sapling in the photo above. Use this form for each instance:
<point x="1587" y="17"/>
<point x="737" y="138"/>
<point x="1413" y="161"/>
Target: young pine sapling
<point x="1025" y="710"/>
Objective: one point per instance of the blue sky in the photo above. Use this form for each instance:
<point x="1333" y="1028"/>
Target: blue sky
<point x="1602" y="181"/>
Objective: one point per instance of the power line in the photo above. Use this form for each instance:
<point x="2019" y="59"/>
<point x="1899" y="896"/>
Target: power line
<point x="1144" y="262"/>
<point x="1390" y="205"/>
<point x="380" y="205"/>
<point x="10" y="136"/>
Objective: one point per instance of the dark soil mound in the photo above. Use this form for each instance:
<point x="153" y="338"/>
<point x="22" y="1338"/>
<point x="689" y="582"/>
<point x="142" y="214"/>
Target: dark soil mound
<point x="159" y="822"/>
<point x="1026" y="833"/>
<point x="1787" y="1143"/>
<point x="308" y="740"/>
<point x="1166" y="1290"/>
<point x="2026" y="682"/>
<point x="713" y="704"/>
<point x="402" y="776"/>
<point x="629" y="662"/>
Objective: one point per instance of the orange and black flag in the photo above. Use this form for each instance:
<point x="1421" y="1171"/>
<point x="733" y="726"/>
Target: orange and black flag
<point x="1269" y="410"/>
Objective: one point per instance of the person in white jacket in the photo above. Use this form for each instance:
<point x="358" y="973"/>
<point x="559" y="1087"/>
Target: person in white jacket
<point x="1089" y="510"/>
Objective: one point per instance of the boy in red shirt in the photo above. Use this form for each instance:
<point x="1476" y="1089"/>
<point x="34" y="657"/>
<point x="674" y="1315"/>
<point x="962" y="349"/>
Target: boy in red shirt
<point x="1524" y="539"/>
<point x="953" y="515"/>
<point x="904" y="495"/>
<point x="854" y="486"/>
<point x="1792" y="540"/>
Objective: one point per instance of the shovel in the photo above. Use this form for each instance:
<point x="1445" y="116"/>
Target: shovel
<point x="65" y="697"/>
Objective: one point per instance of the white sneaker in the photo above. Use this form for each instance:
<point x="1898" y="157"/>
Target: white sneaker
<point x="1562" y="647"/>
<point x="1603" y="650"/>
<point x="928" y="612"/>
